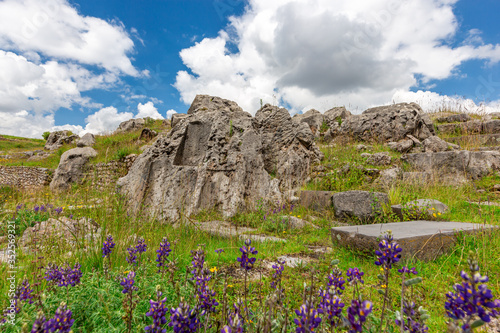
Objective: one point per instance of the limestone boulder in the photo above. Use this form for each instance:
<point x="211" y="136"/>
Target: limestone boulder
<point x="359" y="204"/>
<point x="402" y="146"/>
<point x="336" y="116"/>
<point x="316" y="200"/>
<point x="57" y="139"/>
<point x="220" y="157"/>
<point x="131" y="125"/>
<point x="462" y="164"/>
<point x="73" y="232"/>
<point x="147" y="134"/>
<point x="435" y="144"/>
<point x="313" y="118"/>
<point x="71" y="168"/>
<point x="389" y="123"/>
<point x="420" y="209"/>
<point x="389" y="176"/>
<point x="461" y="117"/>
<point x="88" y="140"/>
<point x="377" y="159"/>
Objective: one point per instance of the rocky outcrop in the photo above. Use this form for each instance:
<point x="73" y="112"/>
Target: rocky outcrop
<point x="461" y="117"/>
<point x="131" y="125"/>
<point x="88" y="140"/>
<point x="176" y="118"/>
<point x="222" y="157"/>
<point x="462" y="165"/>
<point x="389" y="123"/>
<point x="436" y="144"/>
<point x="147" y="134"/>
<point x="71" y="168"/>
<point x="57" y="139"/>
<point x="419" y="209"/>
<point x="377" y="159"/>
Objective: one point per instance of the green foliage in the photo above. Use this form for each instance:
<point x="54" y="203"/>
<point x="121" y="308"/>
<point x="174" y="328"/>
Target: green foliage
<point x="45" y="135"/>
<point x="324" y="127"/>
<point x="339" y="120"/>
<point x="121" y="153"/>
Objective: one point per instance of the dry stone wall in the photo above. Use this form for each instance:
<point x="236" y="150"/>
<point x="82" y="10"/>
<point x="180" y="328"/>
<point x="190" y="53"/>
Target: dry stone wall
<point x="25" y="177"/>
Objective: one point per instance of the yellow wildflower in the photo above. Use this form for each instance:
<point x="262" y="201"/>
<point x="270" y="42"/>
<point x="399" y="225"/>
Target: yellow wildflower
<point x="213" y="269"/>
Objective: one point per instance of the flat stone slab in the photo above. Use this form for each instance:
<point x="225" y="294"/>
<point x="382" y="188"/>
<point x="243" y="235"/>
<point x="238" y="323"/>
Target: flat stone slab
<point x="423" y="240"/>
<point x="226" y="230"/>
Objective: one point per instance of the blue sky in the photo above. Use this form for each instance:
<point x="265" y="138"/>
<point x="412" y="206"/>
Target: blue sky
<point x="88" y="65"/>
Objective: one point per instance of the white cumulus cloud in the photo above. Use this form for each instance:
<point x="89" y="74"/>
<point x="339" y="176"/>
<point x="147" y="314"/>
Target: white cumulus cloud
<point x="322" y="53"/>
<point x="148" y="110"/>
<point x="170" y="113"/>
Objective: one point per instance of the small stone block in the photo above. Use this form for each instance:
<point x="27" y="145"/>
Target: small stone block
<point x="316" y="200"/>
<point x="423" y="240"/>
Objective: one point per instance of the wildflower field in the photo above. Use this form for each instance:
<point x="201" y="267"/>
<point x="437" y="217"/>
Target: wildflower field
<point x="140" y="274"/>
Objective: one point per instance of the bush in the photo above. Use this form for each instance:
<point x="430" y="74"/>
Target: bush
<point x="45" y="135"/>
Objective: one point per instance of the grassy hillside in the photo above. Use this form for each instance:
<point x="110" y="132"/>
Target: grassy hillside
<point x="10" y="143"/>
<point x="99" y="305"/>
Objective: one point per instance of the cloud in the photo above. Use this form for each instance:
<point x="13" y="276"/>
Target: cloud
<point x="55" y="29"/>
<point x="321" y="53"/>
<point x="148" y="110"/>
<point x="170" y="113"/>
<point x="49" y="55"/>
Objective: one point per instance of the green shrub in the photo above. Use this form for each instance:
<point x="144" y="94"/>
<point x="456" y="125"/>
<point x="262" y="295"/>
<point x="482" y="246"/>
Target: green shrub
<point x="45" y="135"/>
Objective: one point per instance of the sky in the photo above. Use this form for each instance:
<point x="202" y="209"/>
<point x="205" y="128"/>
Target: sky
<point x="88" y="65"/>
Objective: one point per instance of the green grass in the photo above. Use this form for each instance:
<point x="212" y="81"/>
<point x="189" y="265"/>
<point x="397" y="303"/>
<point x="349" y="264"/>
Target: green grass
<point x="14" y="143"/>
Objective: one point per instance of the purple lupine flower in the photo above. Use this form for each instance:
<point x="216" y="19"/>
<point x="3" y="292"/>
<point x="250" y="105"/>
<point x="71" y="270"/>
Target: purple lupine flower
<point x="405" y="269"/>
<point x="11" y="310"/>
<point x="184" y="319"/>
<point x="132" y="256"/>
<point x="413" y="323"/>
<point x="40" y="324"/>
<point x="62" y="321"/>
<point x="246" y="262"/>
<point x="204" y="294"/>
<point x="52" y="273"/>
<point x="158" y="311"/>
<point x="278" y="267"/>
<point x="36" y="208"/>
<point x="68" y="276"/>
<point x="128" y="283"/>
<point x="70" y="216"/>
<point x="472" y="298"/>
<point x="24" y="292"/>
<point x="58" y="210"/>
<point x="198" y="261"/>
<point x="389" y="252"/>
<point x="331" y="305"/>
<point x="336" y="281"/>
<point x="235" y="321"/>
<point x="354" y="275"/>
<point x="308" y="319"/>
<point x="162" y="253"/>
<point x="141" y="246"/>
<point x="19" y="207"/>
<point x="43" y="208"/>
<point x="357" y="313"/>
<point x="219" y="251"/>
<point x="108" y="246"/>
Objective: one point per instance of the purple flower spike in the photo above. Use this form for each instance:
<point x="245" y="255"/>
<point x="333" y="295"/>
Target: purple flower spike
<point x="308" y="319"/>
<point x="141" y="246"/>
<point x="108" y="246"/>
<point x="278" y="267"/>
<point x="332" y="306"/>
<point x="356" y="315"/>
<point x="219" y="251"/>
<point x="405" y="269"/>
<point x="128" y="283"/>
<point x="24" y="292"/>
<point x="36" y="208"/>
<point x="247" y="262"/>
<point x="336" y="281"/>
<point x="132" y="256"/>
<point x="62" y="321"/>
<point x="162" y="253"/>
<point x="184" y="319"/>
<point x="389" y="252"/>
<point x="354" y="275"/>
<point x="157" y="311"/>
<point x="58" y="210"/>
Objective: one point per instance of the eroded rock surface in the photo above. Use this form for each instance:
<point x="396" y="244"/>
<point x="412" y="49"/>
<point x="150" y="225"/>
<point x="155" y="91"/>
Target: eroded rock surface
<point x="222" y="157"/>
<point x="57" y="139"/>
<point x="71" y="168"/>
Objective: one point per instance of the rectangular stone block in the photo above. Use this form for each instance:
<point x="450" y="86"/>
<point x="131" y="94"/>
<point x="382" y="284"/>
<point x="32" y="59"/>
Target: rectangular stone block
<point x="316" y="200"/>
<point x="423" y="240"/>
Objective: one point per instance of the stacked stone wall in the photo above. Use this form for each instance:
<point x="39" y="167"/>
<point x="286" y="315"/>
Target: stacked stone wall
<point x="25" y="177"/>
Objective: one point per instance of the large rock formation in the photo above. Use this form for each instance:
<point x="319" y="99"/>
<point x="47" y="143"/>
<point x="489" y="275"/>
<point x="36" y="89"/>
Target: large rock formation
<point x="71" y="168"/>
<point x="389" y="123"/>
<point x="131" y="125"/>
<point x="88" y="140"/>
<point x="57" y="139"/>
<point x="313" y="118"/>
<point x="220" y="157"/>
